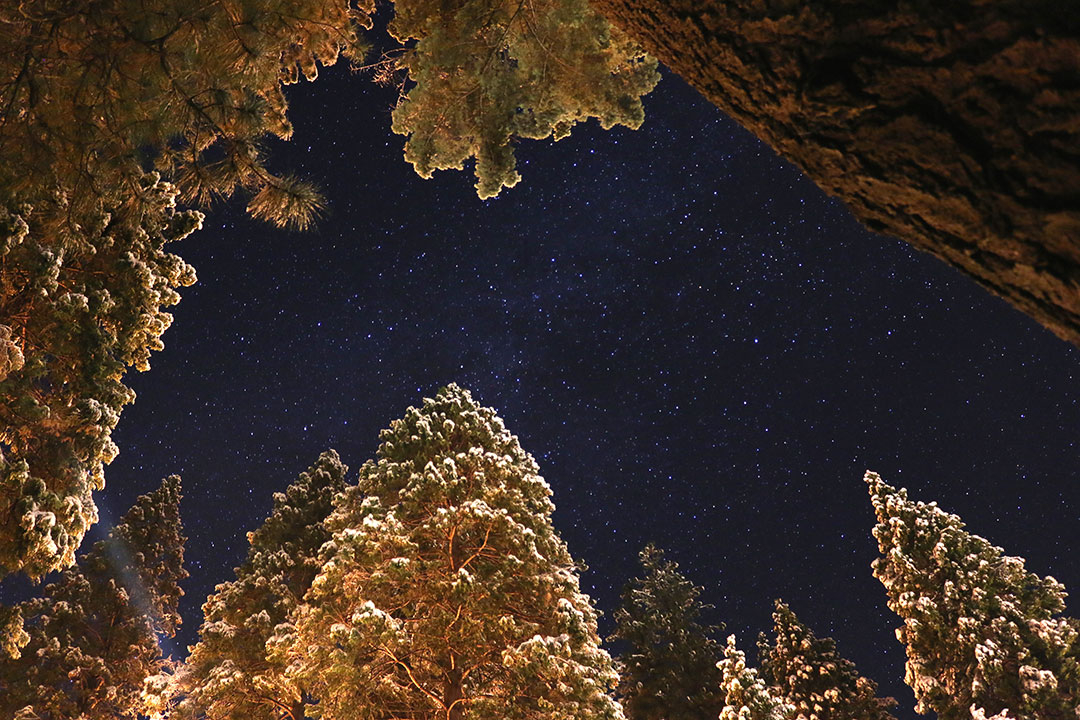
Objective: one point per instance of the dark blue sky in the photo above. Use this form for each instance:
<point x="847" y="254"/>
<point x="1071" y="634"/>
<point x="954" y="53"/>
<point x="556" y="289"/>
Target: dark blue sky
<point x="700" y="348"/>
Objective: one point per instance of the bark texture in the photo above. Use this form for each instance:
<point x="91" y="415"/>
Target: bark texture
<point x="952" y="125"/>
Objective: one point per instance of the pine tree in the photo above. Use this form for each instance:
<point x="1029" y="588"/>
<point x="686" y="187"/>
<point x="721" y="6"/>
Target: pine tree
<point x="446" y="592"/>
<point x="670" y="669"/>
<point x="75" y="314"/>
<point x="485" y="72"/>
<point x="91" y="96"/>
<point x="95" y="94"/>
<point x="746" y="696"/>
<point x="228" y="675"/>
<point x="809" y="674"/>
<point x="94" y="632"/>
<point x="984" y="636"/>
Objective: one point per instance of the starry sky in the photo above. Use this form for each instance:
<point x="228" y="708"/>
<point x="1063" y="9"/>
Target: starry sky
<point x="700" y="348"/>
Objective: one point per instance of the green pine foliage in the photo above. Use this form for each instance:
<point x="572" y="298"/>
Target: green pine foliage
<point x="746" y="696"/>
<point x="76" y="311"/>
<point x="94" y="632"/>
<point x="228" y="675"/>
<point x="809" y="674"/>
<point x="91" y="93"/>
<point x="446" y="593"/>
<point x="984" y="636"/>
<point x="108" y="111"/>
<point x="482" y="73"/>
<point x="670" y="668"/>
<point x="13" y="636"/>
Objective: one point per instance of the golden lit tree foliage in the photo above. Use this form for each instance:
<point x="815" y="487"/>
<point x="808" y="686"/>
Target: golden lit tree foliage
<point x="485" y="72"/>
<point x="811" y="675"/>
<point x="92" y="94"/>
<point x="984" y="636"/>
<point x="445" y="592"/>
<point x="93" y="635"/>
<point x="746" y="696"/>
<point x="228" y="675"/>
<point x="110" y="108"/>
<point x="75" y="313"/>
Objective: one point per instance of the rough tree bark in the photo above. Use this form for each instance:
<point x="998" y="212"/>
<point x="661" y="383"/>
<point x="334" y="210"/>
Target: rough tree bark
<point x="952" y="125"/>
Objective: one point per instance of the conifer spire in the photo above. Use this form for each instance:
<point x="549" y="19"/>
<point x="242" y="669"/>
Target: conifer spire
<point x="446" y="592"/>
<point x="746" y="696"/>
<point x="669" y="669"/>
<point x="811" y="675"/>
<point x="228" y="674"/>
<point x="984" y="636"/>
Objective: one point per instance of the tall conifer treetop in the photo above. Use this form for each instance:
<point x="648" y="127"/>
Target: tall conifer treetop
<point x="746" y="696"/>
<point x="445" y="592"/>
<point x="809" y="674"/>
<point x="228" y="675"/>
<point x="984" y="636"/>
<point x="670" y="667"/>
<point x="93" y="633"/>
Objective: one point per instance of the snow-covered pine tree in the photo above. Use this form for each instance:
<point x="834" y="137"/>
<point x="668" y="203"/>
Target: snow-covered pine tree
<point x="446" y="592"/>
<point x="77" y="310"/>
<point x="482" y="73"/>
<point x="12" y="635"/>
<point x="984" y="636"/>
<point x="809" y="674"/>
<point x="94" y="632"/>
<point x="746" y="696"/>
<point x="669" y="669"/>
<point x="227" y="675"/>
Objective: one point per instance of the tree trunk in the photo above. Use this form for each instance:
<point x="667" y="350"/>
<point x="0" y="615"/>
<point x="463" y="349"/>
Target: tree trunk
<point x="453" y="692"/>
<point x="952" y="125"/>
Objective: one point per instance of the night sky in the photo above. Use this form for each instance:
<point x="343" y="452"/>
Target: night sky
<point x="698" y="346"/>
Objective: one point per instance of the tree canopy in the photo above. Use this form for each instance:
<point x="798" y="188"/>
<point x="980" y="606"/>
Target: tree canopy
<point x="669" y="669"/>
<point x="228" y="675"/>
<point x="984" y="636"/>
<point x="445" y="592"/>
<point x="75" y="313"/>
<point x="92" y="637"/>
<point x="746" y="696"/>
<point x="112" y="112"/>
<point x="811" y="675"/>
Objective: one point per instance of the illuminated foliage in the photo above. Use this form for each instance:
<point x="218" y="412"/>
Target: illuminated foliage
<point x="91" y="95"/>
<point x="75" y="314"/>
<point x="669" y="669"/>
<point x="446" y="592"/>
<point x="984" y="636"/>
<point x="485" y="72"/>
<point x="228" y="675"/>
<point x="93" y="634"/>
<point x="91" y="92"/>
<point x="808" y="673"/>
<point x="746" y="696"/>
<point x="110" y="110"/>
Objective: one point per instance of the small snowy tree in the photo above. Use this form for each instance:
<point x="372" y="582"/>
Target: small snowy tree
<point x="93" y="635"/>
<point x="670" y="667"/>
<point x="227" y="675"/>
<point x="446" y="593"/>
<point x="983" y="635"/>
<point x="746" y="696"/>
<point x="807" y="672"/>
